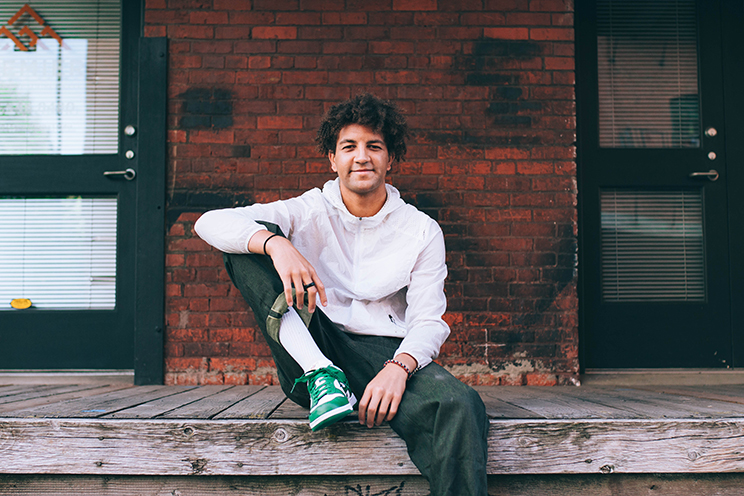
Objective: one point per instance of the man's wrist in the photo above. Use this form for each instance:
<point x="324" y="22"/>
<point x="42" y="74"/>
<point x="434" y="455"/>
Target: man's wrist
<point x="408" y="360"/>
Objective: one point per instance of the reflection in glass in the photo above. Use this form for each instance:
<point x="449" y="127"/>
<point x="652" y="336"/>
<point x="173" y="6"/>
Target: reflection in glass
<point x="648" y="74"/>
<point x="60" y="99"/>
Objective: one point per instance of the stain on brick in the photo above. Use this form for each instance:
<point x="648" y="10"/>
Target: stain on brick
<point x="205" y="108"/>
<point x="201" y="201"/>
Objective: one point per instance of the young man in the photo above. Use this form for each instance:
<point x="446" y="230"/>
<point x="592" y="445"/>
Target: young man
<point x="377" y="266"/>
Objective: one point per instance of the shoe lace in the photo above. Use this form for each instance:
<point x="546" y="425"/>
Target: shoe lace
<point x="321" y="380"/>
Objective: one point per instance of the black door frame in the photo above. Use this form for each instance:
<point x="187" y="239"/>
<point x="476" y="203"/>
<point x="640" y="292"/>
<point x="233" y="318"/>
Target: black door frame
<point x="731" y="18"/>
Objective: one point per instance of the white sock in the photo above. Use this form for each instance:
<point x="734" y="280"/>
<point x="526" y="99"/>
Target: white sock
<point x="296" y="339"/>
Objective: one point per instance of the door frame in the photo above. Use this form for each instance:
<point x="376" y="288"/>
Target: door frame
<point x="149" y="319"/>
<point x="147" y="58"/>
<point x="731" y="17"/>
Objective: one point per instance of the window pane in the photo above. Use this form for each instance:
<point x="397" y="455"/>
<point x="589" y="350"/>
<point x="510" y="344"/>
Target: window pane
<point x="648" y="83"/>
<point x="652" y="246"/>
<point x="59" y="99"/>
<point x="60" y="253"/>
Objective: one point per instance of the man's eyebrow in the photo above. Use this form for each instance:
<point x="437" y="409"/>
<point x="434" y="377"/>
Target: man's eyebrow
<point x="349" y="140"/>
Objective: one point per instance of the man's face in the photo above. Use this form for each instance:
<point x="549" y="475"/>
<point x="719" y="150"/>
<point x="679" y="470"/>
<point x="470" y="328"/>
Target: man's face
<point x="361" y="160"/>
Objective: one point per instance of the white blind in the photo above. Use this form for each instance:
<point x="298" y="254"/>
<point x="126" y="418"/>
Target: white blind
<point x="60" y="253"/>
<point x="652" y="246"/>
<point x="59" y="99"/>
<point x="648" y="74"/>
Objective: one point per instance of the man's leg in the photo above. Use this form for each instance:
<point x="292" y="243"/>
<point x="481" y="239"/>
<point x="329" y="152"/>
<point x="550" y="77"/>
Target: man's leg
<point x="305" y="374"/>
<point x="444" y="424"/>
<point x="442" y="420"/>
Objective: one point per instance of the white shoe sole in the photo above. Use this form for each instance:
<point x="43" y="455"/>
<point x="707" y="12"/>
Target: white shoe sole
<point x="341" y="412"/>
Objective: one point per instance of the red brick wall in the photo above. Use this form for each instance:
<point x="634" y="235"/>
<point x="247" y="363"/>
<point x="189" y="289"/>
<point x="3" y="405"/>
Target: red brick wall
<point x="488" y="89"/>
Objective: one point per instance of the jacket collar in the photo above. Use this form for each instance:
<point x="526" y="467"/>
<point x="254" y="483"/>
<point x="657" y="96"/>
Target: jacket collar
<point x="332" y="193"/>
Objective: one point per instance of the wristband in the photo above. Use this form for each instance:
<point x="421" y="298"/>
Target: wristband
<point x="400" y="364"/>
<point x="267" y="240"/>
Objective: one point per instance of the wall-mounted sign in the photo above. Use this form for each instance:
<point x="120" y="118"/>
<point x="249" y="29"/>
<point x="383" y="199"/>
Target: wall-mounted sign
<point x="26" y="31"/>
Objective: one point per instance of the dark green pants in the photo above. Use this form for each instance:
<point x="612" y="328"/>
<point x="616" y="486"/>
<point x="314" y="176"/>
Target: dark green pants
<point x="442" y="420"/>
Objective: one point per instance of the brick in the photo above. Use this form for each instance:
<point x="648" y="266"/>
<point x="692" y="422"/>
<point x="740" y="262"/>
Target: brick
<point x="279" y="122"/>
<point x="305" y="77"/>
<point x="275" y="32"/>
<point x="507" y="33"/>
<point x="344" y="18"/>
<point x="232" y="4"/>
<point x="554" y="34"/>
<point x="208" y="18"/>
<point x="192" y="32"/>
<point x="551" y="5"/>
<point x="390" y="47"/>
<point x="298" y="18"/>
<point x="416" y="5"/>
<point x="528" y="19"/>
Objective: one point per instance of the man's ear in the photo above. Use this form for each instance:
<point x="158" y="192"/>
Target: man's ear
<point x="391" y="159"/>
<point x="332" y="159"/>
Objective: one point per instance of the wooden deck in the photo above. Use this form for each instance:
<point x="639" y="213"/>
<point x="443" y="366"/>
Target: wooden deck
<point x="118" y="431"/>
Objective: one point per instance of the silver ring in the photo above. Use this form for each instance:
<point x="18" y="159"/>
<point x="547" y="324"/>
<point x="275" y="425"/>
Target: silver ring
<point x="310" y="285"/>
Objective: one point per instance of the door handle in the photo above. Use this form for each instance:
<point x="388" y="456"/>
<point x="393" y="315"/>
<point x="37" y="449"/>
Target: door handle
<point x="711" y="174"/>
<point x="128" y="174"/>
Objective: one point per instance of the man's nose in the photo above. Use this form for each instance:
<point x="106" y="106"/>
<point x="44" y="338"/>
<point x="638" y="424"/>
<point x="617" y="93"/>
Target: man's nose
<point x="362" y="155"/>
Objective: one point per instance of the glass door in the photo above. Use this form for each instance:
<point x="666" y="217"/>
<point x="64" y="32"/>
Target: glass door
<point x="653" y="175"/>
<point x="68" y="178"/>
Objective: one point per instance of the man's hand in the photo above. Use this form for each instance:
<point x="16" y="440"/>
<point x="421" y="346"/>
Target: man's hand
<point x="384" y="393"/>
<point x="292" y="267"/>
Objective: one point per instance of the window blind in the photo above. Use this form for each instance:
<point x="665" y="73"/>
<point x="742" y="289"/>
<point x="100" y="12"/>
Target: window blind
<point x="60" y="253"/>
<point x="648" y="74"/>
<point x="652" y="246"/>
<point x="59" y="99"/>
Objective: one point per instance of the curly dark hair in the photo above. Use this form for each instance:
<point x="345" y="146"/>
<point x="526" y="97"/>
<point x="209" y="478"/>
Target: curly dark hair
<point x="382" y="116"/>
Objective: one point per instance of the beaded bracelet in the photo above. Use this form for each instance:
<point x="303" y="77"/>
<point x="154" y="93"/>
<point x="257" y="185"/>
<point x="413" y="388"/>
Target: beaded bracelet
<point x="267" y="240"/>
<point x="400" y="364"/>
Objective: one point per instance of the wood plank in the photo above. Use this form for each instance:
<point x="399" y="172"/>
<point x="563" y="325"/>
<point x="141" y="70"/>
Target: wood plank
<point x="159" y="406"/>
<point x="271" y="447"/>
<point x="256" y="406"/>
<point x="501" y="485"/>
<point x="662" y="405"/>
<point x="290" y="410"/>
<point x="207" y="408"/>
<point x="13" y="390"/>
<point x="558" y="403"/>
<point x="497" y="408"/>
<point x="718" y="393"/>
<point x="637" y="405"/>
<point x="22" y="409"/>
<point x="79" y="485"/>
<point x="197" y="447"/>
<point x="41" y="393"/>
<point x="99" y="405"/>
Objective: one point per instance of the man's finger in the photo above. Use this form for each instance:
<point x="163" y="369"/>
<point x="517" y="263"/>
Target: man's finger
<point x="312" y="293"/>
<point x="372" y="409"/>
<point x="393" y="409"/>
<point x="363" y="408"/>
<point x="321" y="291"/>
<point x="299" y="290"/>
<point x="382" y="412"/>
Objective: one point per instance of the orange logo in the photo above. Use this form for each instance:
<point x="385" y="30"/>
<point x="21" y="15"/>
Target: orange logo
<point x="26" y="31"/>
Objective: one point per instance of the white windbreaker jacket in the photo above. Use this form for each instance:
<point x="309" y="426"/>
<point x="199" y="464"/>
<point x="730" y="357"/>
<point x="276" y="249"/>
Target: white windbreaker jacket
<point x="384" y="275"/>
